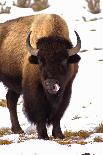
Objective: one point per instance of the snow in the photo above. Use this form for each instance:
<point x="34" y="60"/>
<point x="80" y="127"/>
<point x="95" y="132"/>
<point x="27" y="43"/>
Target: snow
<point x="85" y="109"/>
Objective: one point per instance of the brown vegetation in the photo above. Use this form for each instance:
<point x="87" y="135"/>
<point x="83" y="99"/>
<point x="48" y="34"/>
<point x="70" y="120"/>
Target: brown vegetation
<point x="94" y="6"/>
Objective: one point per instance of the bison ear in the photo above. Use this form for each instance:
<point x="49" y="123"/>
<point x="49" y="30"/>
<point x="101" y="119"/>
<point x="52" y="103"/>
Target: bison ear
<point x="74" y="58"/>
<point x="33" y="59"/>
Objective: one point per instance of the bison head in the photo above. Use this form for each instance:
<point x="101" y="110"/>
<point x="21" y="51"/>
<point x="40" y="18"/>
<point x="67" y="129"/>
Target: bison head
<point x="54" y="56"/>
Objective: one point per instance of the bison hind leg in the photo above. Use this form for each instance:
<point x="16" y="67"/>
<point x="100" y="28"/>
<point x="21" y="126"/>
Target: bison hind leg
<point x="12" y="98"/>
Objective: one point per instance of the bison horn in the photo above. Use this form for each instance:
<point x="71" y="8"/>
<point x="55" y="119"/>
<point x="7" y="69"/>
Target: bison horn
<point x="75" y="49"/>
<point x="28" y="45"/>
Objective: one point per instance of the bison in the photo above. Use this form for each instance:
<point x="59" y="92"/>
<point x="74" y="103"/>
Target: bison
<point x="38" y="60"/>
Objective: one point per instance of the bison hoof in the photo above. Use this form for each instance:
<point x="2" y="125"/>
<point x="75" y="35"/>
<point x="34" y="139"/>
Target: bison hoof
<point x="58" y="135"/>
<point x="17" y="130"/>
<point x="43" y="136"/>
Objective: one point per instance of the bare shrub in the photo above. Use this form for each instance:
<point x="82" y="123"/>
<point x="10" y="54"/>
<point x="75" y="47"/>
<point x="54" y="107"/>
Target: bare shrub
<point x="94" y="6"/>
<point x="4" y="8"/>
<point x="22" y="3"/>
<point x="36" y="5"/>
<point x="39" y="5"/>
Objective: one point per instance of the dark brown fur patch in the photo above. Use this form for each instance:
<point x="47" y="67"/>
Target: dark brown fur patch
<point x="53" y="42"/>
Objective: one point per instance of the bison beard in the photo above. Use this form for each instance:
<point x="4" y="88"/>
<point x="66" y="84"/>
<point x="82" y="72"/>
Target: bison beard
<point x="41" y="110"/>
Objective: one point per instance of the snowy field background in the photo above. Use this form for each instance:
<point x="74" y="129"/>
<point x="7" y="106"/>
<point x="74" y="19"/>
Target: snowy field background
<point x="85" y="111"/>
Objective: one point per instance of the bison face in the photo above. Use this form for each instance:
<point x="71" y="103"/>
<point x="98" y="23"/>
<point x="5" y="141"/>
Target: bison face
<point x="54" y="70"/>
<point x="54" y="55"/>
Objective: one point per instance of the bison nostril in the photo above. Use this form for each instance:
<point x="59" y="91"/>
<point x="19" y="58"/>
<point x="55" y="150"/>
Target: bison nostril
<point x="56" y="87"/>
<point x="51" y="86"/>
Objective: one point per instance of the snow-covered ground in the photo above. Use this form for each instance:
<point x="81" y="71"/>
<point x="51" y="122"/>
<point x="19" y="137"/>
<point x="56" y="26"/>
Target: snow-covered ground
<point x="85" y="111"/>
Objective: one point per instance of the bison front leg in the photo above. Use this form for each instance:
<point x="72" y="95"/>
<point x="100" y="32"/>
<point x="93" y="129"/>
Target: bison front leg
<point x="12" y="99"/>
<point x="42" y="131"/>
<point x="57" y="133"/>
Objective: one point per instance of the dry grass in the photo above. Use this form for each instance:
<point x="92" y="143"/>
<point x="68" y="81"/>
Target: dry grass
<point x="5" y="131"/>
<point x="74" y="137"/>
<point x="5" y="142"/>
<point x="3" y="103"/>
<point x="98" y="139"/>
<point x="81" y="134"/>
<point x="70" y="137"/>
<point x="99" y="129"/>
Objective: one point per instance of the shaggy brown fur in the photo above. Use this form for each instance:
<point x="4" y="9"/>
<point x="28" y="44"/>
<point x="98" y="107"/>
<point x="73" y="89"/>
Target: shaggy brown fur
<point x="22" y="75"/>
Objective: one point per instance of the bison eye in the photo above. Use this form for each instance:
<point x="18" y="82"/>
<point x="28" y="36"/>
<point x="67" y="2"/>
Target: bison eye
<point x="42" y="62"/>
<point x="64" y="62"/>
<point x="63" y="66"/>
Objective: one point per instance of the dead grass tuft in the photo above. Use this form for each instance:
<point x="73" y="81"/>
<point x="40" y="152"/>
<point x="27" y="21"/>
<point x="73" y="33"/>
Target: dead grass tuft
<point x="3" y="103"/>
<point x="81" y="142"/>
<point x="81" y="134"/>
<point x="98" y="139"/>
<point x="73" y="137"/>
<point x="99" y="129"/>
<point x="5" y="131"/>
<point x="5" y="142"/>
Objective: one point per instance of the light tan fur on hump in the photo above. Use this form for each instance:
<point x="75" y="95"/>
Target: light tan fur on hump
<point x="48" y="25"/>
